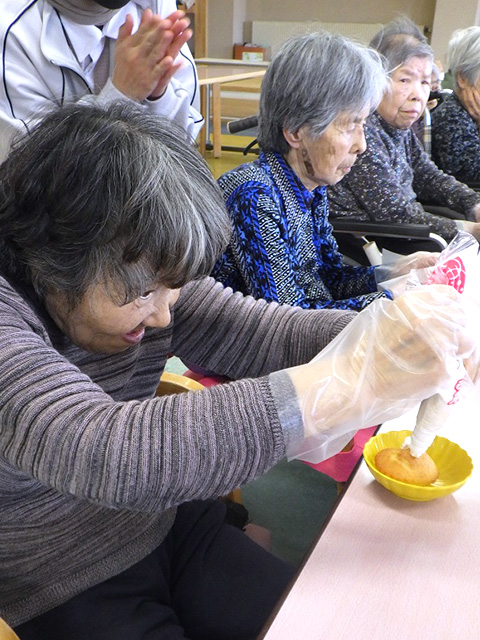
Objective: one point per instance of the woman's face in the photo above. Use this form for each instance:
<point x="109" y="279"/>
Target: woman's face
<point x="410" y="89"/>
<point x="325" y="160"/>
<point x="99" y="325"/>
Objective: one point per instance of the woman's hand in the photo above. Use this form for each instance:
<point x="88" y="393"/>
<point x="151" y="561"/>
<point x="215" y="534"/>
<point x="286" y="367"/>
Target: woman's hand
<point x="144" y="61"/>
<point x="470" y="98"/>
<point x="389" y="276"/>
<point x="417" y="260"/>
<point x="471" y="227"/>
<point x="388" y="359"/>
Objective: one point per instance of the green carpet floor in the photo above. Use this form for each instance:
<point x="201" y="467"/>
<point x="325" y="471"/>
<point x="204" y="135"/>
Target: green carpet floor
<point x="292" y="501"/>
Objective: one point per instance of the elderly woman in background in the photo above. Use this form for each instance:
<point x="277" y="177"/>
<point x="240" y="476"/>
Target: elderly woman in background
<point x="108" y="531"/>
<point x="310" y="133"/>
<point x="394" y="175"/>
<point x="455" y="123"/>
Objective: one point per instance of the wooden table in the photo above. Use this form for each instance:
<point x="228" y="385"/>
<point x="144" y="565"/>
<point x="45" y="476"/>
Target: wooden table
<point x="212" y="73"/>
<point x="391" y="569"/>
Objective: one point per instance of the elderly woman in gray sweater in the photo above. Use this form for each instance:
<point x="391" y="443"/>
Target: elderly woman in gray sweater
<point x="394" y="175"/>
<point x="109" y="224"/>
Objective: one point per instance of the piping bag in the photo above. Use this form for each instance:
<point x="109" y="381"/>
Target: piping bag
<point x="432" y="415"/>
<point x="457" y="266"/>
<point x="379" y="342"/>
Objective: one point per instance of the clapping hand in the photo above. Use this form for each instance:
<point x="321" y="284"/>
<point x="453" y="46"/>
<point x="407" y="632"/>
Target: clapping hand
<point x="145" y="60"/>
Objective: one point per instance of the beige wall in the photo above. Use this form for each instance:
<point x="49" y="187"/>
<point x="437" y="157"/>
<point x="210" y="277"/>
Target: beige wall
<point x="451" y="15"/>
<point x="222" y="30"/>
<point x="226" y="17"/>
<point x="225" y="26"/>
<point x="421" y="11"/>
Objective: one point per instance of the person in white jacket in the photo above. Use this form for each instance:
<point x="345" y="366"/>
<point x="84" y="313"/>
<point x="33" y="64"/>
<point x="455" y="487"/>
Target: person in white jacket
<point x="59" y="51"/>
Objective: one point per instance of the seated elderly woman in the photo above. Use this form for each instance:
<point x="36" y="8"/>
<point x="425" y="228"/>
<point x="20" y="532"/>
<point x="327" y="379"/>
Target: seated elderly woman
<point x="455" y="137"/>
<point x="109" y="222"/>
<point x="394" y="175"/>
<point x="310" y="134"/>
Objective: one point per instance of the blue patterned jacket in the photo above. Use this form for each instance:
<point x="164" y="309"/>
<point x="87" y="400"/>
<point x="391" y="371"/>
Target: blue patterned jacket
<point x="282" y="248"/>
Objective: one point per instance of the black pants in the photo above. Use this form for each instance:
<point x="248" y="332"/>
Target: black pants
<point x="206" y="581"/>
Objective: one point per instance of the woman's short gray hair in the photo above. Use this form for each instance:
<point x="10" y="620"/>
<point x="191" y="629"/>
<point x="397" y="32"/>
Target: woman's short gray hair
<point x="399" y="41"/>
<point x="108" y="195"/>
<point x="464" y="54"/>
<point x="311" y="80"/>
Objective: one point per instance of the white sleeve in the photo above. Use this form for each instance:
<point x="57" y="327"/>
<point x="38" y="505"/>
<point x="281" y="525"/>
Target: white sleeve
<point x="173" y="105"/>
<point x="181" y="100"/>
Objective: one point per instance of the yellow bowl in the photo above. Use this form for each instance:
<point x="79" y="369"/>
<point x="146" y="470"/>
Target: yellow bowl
<point x="454" y="466"/>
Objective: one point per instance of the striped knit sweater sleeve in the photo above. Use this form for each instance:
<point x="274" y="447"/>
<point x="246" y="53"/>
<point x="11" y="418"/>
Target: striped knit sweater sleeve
<point x="92" y="467"/>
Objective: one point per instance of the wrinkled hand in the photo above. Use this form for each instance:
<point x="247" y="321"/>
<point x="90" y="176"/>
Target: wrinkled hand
<point x="417" y="260"/>
<point x="472" y="227"/>
<point x="476" y="213"/>
<point x="386" y="274"/>
<point x="144" y="61"/>
<point x="470" y="98"/>
<point x="389" y="358"/>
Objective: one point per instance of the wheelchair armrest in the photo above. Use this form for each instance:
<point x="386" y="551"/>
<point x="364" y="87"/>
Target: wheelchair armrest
<point x="387" y="229"/>
<point x="242" y="124"/>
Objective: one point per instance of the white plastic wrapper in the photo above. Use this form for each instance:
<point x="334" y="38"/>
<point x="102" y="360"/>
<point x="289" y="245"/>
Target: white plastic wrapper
<point x="391" y="357"/>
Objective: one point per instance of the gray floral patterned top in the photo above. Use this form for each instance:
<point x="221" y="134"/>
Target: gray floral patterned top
<point x="455" y="140"/>
<point x="392" y="176"/>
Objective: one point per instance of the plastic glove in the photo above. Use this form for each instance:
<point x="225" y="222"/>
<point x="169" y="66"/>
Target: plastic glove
<point x="389" y="358"/>
<point x="403" y="265"/>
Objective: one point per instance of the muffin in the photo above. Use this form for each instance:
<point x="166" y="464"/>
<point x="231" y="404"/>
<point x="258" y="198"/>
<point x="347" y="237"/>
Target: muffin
<point x="399" y="464"/>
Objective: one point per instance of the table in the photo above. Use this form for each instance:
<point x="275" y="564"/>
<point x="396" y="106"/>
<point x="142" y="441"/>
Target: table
<point x="390" y="569"/>
<point x="213" y="72"/>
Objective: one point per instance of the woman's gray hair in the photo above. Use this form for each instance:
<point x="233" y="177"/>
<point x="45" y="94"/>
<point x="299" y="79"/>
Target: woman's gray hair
<point x="311" y="80"/>
<point x="112" y="195"/>
<point x="399" y="41"/>
<point x="464" y="54"/>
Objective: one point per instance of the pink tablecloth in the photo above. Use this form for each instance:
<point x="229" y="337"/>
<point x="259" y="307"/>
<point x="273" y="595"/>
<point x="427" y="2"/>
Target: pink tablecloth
<point x="340" y="466"/>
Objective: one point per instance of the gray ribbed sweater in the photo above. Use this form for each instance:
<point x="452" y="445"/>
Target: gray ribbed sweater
<point x="91" y="467"/>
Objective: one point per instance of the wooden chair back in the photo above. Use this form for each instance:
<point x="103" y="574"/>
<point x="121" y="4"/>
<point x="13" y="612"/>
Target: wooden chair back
<point x="6" y="632"/>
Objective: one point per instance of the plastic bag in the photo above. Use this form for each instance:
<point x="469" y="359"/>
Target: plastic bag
<point x="398" y="273"/>
<point x="394" y="355"/>
<point x="459" y="267"/>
